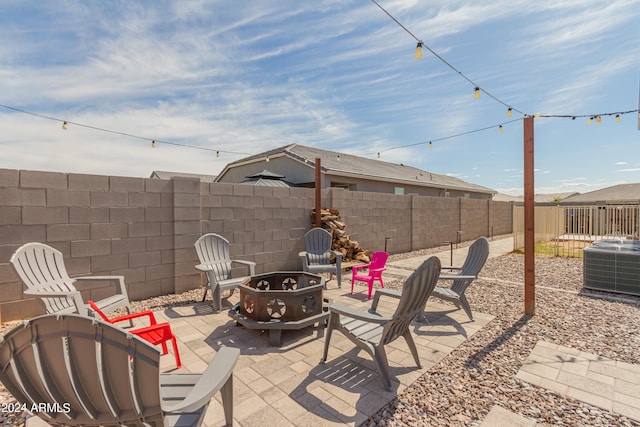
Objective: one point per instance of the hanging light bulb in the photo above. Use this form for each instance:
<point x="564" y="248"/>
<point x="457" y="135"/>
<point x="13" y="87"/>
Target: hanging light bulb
<point x="418" y="54"/>
<point x="598" y="120"/>
<point x="267" y="159"/>
<point x="217" y="154"/>
<point x="500" y="128"/>
<point x="430" y="144"/>
<point x="153" y="144"/>
<point x="590" y="120"/>
<point x="338" y="157"/>
<point x="476" y="93"/>
<point x="537" y="115"/>
<point x="378" y="155"/>
<point x="509" y="112"/>
<point x="617" y="118"/>
<point x="65" y="126"/>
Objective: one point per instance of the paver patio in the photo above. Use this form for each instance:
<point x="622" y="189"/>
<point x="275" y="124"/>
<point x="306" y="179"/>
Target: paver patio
<point x="286" y="385"/>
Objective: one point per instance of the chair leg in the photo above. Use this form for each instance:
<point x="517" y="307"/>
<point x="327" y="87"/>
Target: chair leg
<point x="176" y="353"/>
<point x="217" y="299"/>
<point x="227" y="400"/>
<point x="204" y="295"/>
<point x="465" y="306"/>
<point x="412" y="346"/>
<point x="327" y="338"/>
<point x="380" y="357"/>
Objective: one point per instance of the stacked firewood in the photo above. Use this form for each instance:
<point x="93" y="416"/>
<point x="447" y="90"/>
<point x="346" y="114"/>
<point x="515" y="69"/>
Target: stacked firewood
<point x="342" y="242"/>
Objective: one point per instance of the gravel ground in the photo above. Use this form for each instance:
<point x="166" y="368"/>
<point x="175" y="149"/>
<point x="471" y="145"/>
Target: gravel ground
<point x="461" y="389"/>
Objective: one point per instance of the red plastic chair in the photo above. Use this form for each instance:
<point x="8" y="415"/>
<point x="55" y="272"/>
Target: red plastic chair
<point x="376" y="267"/>
<point x="156" y="333"/>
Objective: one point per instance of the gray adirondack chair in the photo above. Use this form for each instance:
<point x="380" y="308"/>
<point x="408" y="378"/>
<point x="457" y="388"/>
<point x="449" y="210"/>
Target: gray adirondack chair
<point x="317" y="256"/>
<point x="41" y="269"/>
<point x="213" y="253"/>
<point x="476" y="258"/>
<point x="86" y="372"/>
<point x="371" y="332"/>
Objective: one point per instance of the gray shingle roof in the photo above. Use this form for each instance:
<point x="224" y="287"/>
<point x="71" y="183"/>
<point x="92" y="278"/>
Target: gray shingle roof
<point x="169" y="175"/>
<point x="350" y="165"/>
<point x="621" y="192"/>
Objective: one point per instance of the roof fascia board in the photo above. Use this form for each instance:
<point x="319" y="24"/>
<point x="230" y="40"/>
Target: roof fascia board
<point x="338" y="172"/>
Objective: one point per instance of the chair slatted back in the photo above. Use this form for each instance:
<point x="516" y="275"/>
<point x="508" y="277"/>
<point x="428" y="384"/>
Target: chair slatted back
<point x="318" y="246"/>
<point x="415" y="292"/>
<point x="476" y="258"/>
<point x="40" y="266"/>
<point x="378" y="261"/>
<point x="213" y="252"/>
<point x="96" y="373"/>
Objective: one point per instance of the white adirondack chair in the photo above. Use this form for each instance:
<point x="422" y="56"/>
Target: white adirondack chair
<point x="41" y="269"/>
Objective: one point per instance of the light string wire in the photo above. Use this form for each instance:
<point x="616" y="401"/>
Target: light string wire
<point x="449" y="137"/>
<point x="151" y="140"/>
<point x="444" y="61"/>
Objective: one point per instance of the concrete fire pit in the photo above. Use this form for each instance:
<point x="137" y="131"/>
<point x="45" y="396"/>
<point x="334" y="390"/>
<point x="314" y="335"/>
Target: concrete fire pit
<point x="281" y="300"/>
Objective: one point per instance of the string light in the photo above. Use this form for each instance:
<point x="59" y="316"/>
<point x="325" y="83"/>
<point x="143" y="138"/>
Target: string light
<point x="509" y="112"/>
<point x="378" y="154"/>
<point x="617" y="118"/>
<point x="266" y="159"/>
<point x="217" y="153"/>
<point x="338" y="157"/>
<point x="590" y="120"/>
<point x="418" y="53"/>
<point x="67" y="123"/>
<point x="537" y="115"/>
<point x="430" y="144"/>
<point x="598" y="120"/>
<point x="65" y="126"/>
<point x="153" y="144"/>
<point x="476" y="93"/>
<point x="500" y="128"/>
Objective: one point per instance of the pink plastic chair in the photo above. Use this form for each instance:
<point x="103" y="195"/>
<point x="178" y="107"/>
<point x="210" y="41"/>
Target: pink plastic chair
<point x="376" y="267"/>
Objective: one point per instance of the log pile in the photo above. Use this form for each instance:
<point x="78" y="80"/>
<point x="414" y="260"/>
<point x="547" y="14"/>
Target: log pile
<point x="342" y="242"/>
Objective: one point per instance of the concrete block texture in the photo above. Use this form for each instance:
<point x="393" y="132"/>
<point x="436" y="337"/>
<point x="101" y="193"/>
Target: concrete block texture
<point x="14" y="196"/>
<point x="36" y="179"/>
<point x="45" y="215"/>
<point x="9" y="178"/>
<point x="88" y="182"/>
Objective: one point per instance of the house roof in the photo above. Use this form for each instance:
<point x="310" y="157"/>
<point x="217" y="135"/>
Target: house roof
<point x="169" y="175"/>
<point x="616" y="193"/>
<point x="539" y="198"/>
<point x="349" y="165"/>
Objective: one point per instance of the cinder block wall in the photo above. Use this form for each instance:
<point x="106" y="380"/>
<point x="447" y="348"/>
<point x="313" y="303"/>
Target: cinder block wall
<point x="144" y="229"/>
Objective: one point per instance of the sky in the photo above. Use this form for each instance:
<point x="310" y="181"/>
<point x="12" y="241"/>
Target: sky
<point x="216" y="81"/>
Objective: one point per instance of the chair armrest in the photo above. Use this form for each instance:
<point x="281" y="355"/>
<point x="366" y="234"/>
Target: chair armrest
<point x="358" y="267"/>
<point x="383" y="292"/>
<point x="118" y="279"/>
<point x="358" y="314"/>
<point x="250" y="264"/>
<point x="456" y="277"/>
<point x="213" y="379"/>
<point x="148" y="313"/>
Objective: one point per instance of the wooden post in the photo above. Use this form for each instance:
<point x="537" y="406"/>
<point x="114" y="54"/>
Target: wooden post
<point x="529" y="221"/>
<point x="318" y="193"/>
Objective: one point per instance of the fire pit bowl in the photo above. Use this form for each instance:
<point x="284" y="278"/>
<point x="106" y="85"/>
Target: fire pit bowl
<point x="281" y="300"/>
